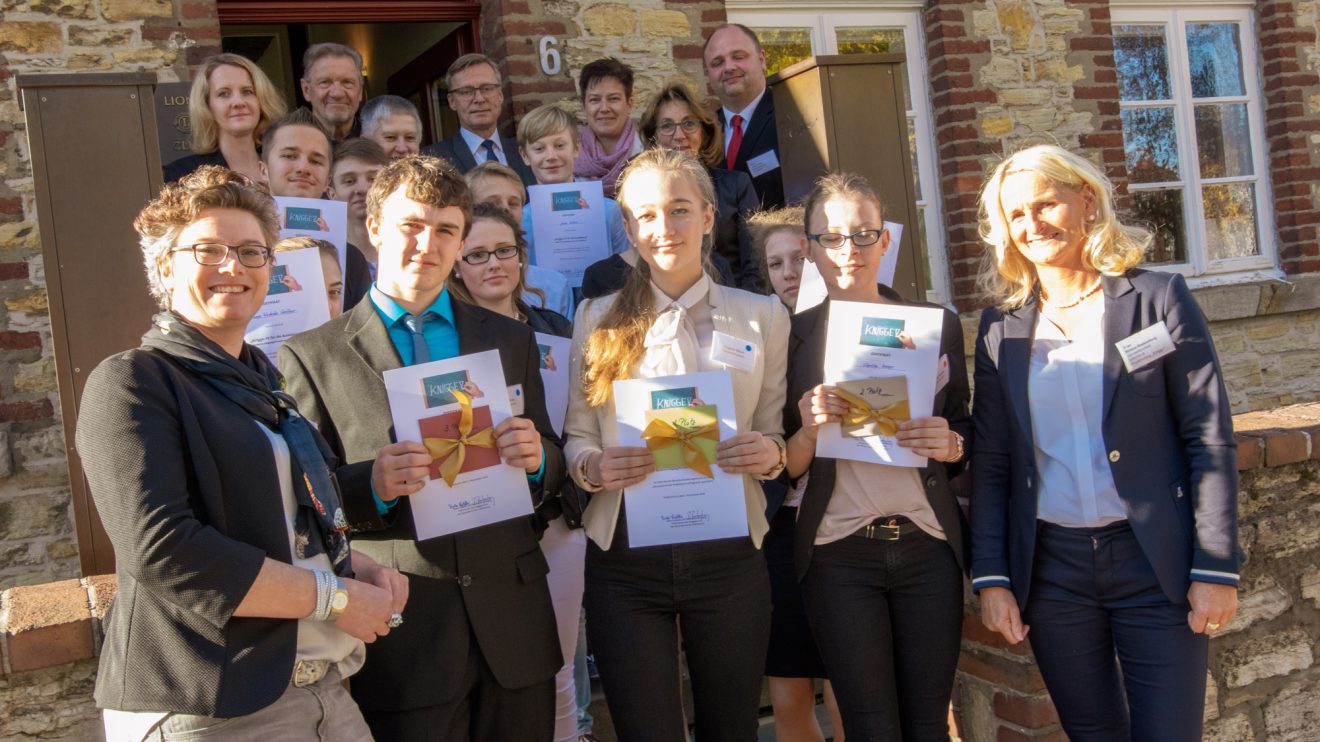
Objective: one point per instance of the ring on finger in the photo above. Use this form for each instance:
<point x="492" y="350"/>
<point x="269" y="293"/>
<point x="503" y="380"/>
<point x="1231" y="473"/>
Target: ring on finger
<point x="1212" y="626"/>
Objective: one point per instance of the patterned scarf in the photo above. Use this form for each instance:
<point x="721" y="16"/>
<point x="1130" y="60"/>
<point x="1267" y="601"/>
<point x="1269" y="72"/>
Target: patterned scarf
<point x="594" y="164"/>
<point x="252" y="382"/>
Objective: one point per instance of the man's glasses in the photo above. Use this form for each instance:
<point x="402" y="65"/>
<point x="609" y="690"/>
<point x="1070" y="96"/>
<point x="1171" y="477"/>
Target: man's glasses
<point x="466" y="94"/>
<point x="249" y="254"/>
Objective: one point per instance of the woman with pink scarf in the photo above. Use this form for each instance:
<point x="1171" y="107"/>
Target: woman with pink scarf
<point x="610" y="140"/>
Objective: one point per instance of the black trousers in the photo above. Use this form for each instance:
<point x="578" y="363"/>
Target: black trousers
<point x="1117" y="655"/>
<point x="718" y="594"/>
<point x="887" y="616"/>
<point x="487" y="711"/>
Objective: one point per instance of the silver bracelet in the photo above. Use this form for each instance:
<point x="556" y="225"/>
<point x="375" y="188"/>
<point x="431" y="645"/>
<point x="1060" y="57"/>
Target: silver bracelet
<point x="324" y="591"/>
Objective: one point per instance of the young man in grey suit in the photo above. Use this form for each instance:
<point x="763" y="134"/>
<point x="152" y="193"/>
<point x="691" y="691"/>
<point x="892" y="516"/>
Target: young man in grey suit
<point x="477" y="97"/>
<point x="477" y="652"/>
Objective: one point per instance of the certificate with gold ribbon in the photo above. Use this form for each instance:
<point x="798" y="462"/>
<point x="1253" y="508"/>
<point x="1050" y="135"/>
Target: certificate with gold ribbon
<point x="452" y="407"/>
<point x="883" y="361"/>
<point x="681" y="419"/>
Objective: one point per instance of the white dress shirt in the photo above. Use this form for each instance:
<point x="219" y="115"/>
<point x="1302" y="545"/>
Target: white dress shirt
<point x="1066" y="394"/>
<point x="478" y="152"/>
<point x="746" y="114"/>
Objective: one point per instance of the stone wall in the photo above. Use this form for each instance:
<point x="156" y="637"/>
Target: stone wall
<point x="1264" y="681"/>
<point x="1010" y="73"/>
<point x="660" y="40"/>
<point x="37" y="541"/>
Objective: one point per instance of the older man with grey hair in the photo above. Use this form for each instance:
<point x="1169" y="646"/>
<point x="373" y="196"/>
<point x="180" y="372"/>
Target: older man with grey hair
<point x="476" y="94"/>
<point x="394" y="124"/>
<point x="332" y="85"/>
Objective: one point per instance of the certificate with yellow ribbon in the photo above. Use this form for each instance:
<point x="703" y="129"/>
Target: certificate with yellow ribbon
<point x="882" y="361"/>
<point x="445" y="406"/>
<point x="681" y="420"/>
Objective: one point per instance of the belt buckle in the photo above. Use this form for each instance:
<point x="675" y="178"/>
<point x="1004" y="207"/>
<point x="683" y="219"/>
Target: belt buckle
<point x="309" y="672"/>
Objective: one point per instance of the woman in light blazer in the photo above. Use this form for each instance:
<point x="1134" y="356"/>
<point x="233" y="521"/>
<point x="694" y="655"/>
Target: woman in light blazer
<point x="661" y="323"/>
<point x="1104" y="510"/>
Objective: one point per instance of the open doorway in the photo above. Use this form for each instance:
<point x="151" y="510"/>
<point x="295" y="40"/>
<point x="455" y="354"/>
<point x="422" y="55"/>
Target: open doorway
<point x="406" y="47"/>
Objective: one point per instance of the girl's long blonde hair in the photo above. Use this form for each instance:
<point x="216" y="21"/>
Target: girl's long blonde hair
<point x="1112" y="248"/>
<point x="617" y="344"/>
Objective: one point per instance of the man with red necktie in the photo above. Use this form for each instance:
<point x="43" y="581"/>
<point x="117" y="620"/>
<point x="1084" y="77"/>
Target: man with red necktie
<point x="735" y="68"/>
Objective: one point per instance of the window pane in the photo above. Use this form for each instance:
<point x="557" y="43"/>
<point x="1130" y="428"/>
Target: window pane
<point x="1230" y="220"/>
<point x="874" y="41"/>
<point x="1151" y="143"/>
<point x="1223" y="140"/>
<point x="1215" y="59"/>
<point x="784" y="46"/>
<point x="1162" y="213"/>
<point x="1142" y="59"/>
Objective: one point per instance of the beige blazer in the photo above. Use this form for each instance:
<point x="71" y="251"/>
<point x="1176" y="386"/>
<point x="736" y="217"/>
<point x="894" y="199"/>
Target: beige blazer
<point x="758" y="398"/>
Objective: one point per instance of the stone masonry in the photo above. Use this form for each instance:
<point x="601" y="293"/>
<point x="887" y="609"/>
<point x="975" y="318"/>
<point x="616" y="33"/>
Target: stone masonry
<point x="660" y="40"/>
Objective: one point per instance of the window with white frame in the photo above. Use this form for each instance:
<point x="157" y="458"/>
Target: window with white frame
<point x="791" y="31"/>
<point x="1192" y="132"/>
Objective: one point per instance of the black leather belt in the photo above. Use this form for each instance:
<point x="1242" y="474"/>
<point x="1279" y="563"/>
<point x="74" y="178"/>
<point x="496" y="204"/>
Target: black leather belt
<point x="888" y="528"/>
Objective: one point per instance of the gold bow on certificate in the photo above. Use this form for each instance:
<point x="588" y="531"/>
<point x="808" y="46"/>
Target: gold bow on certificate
<point x="662" y="434"/>
<point x="885" y="419"/>
<point x="454" y="450"/>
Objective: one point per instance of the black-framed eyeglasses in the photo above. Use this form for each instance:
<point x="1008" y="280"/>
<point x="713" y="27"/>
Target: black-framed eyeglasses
<point x="835" y="241"/>
<point x="467" y="93"/>
<point x="688" y="126"/>
<point x="250" y="254"/>
<point x="481" y="257"/>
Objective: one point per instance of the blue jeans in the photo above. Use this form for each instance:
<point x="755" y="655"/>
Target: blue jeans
<point x="887" y="617"/>
<point x="717" y="594"/>
<point x="1094" y="599"/>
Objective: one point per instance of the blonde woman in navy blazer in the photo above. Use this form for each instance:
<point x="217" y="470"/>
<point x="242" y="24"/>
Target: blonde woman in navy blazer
<point x="1104" y="510"/>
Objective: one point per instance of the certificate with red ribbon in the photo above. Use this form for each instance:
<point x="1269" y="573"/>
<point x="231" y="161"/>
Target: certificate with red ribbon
<point x="681" y="419"/>
<point x="452" y="407"/>
<point x="883" y="361"/>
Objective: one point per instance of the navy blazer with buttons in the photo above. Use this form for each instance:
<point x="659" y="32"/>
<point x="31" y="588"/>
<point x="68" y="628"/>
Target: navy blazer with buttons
<point x="1167" y="427"/>
<point x="455" y="150"/>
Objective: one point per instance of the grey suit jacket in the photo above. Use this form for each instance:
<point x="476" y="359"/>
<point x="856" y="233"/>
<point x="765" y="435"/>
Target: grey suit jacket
<point x="488" y="582"/>
<point x="1167" y="427"/>
<point x="456" y="151"/>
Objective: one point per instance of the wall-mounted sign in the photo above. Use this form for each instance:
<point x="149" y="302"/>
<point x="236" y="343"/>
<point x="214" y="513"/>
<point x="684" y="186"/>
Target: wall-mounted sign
<point x="551" y="62"/>
<point x="172" y="124"/>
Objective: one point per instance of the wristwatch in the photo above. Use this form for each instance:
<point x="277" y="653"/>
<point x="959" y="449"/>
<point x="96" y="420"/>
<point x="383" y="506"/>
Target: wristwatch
<point x="783" y="460"/>
<point x="339" y="601"/>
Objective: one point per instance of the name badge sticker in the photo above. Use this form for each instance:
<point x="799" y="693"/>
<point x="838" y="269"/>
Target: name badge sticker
<point x="516" y="399"/>
<point x="942" y="373"/>
<point x="732" y="351"/>
<point x="1141" y="348"/>
<point x="763" y="163"/>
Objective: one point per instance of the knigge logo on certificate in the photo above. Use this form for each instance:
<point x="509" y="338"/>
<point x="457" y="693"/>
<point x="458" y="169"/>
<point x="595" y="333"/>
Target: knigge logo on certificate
<point x="882" y="332"/>
<point x="568" y="201"/>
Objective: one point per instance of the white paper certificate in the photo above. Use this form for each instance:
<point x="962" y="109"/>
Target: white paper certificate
<point x="568" y="225"/>
<point x="554" y="352"/>
<point x="315" y="217"/>
<point x="677" y="503"/>
<point x="811" y="286"/>
<point x="425" y="408"/>
<point x="295" y="302"/>
<point x="887" y="355"/>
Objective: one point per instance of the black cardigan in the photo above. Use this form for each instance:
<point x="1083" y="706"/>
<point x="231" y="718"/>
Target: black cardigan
<point x="187" y="489"/>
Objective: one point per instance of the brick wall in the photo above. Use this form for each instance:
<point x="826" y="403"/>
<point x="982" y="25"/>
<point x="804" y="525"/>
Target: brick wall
<point x="1264" y="682"/>
<point x="37" y="541"/>
<point x="1291" y="71"/>
<point x="660" y="40"/>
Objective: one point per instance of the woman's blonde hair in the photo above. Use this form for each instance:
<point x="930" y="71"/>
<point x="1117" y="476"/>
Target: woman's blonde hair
<point x="712" y="146"/>
<point x="616" y="345"/>
<point x="1111" y="248"/>
<point x="493" y="213"/>
<point x="205" y="131"/>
